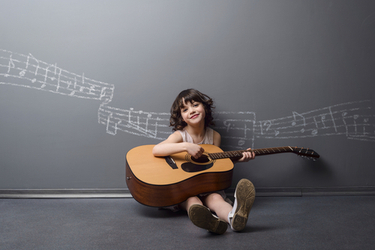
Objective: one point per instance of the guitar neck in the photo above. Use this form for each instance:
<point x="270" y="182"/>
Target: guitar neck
<point x="261" y="151"/>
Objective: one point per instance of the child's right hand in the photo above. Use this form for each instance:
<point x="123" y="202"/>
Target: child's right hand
<point x="194" y="150"/>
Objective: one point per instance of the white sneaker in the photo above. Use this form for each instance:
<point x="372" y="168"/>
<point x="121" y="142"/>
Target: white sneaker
<point x="244" y="197"/>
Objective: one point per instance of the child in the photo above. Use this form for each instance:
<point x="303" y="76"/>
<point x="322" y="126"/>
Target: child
<point x="191" y="116"/>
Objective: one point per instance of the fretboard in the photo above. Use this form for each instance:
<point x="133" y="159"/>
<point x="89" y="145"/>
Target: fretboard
<point x="259" y="151"/>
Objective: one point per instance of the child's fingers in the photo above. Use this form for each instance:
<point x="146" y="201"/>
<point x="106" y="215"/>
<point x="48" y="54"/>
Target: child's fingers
<point x="248" y="155"/>
<point x="251" y="153"/>
<point x="196" y="151"/>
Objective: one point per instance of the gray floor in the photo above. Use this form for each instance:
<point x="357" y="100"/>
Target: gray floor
<point x="327" y="222"/>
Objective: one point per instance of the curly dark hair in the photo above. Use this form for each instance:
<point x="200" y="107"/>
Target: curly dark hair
<point x="190" y="95"/>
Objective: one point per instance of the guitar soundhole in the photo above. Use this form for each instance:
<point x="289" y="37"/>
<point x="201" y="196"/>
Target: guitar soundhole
<point x="197" y="164"/>
<point x="191" y="167"/>
<point x="202" y="159"/>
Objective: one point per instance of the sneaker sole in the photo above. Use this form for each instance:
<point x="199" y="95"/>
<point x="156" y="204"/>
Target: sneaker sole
<point x="245" y="196"/>
<point x="203" y="218"/>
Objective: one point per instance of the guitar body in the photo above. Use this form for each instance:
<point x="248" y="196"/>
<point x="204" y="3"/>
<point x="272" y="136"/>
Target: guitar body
<point x="160" y="181"/>
<point x="165" y="181"/>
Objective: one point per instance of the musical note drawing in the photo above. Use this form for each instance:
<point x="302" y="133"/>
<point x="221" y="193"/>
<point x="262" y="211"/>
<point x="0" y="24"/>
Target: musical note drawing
<point x="10" y="65"/>
<point x="27" y="71"/>
<point x="238" y="129"/>
<point x="352" y="119"/>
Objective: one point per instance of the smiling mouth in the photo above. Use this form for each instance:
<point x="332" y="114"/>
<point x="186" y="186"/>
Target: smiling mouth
<point x="194" y="116"/>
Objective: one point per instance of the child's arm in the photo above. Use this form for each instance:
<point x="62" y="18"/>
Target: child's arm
<point x="174" y="144"/>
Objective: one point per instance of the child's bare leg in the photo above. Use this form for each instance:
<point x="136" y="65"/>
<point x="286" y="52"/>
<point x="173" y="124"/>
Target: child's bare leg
<point x="217" y="204"/>
<point x="202" y="217"/>
<point x="189" y="202"/>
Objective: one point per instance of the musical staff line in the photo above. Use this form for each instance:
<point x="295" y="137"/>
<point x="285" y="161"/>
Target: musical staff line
<point x="27" y="71"/>
<point x="352" y="119"/>
<point x="238" y="129"/>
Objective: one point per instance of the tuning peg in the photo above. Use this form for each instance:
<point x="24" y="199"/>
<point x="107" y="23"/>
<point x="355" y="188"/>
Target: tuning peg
<point x="308" y="157"/>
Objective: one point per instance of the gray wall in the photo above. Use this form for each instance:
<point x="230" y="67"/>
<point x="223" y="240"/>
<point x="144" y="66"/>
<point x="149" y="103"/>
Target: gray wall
<point x="83" y="82"/>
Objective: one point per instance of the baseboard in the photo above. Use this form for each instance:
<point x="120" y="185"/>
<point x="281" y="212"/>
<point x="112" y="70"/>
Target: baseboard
<point x="64" y="193"/>
<point x="124" y="192"/>
<point x="311" y="191"/>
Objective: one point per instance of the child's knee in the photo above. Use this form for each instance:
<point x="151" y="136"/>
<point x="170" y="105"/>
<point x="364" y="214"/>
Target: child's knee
<point x="214" y="197"/>
<point x="193" y="200"/>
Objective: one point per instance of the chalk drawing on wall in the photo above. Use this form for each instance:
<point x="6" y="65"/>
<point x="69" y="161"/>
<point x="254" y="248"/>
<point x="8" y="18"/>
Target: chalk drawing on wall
<point x="239" y="129"/>
<point x="236" y="127"/>
<point x="29" y="72"/>
<point x="353" y="120"/>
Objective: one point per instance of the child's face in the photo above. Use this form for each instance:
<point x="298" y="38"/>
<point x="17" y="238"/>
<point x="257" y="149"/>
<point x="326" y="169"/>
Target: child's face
<point x="193" y="113"/>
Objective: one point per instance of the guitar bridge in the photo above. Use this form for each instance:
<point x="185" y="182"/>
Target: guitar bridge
<point x="171" y="162"/>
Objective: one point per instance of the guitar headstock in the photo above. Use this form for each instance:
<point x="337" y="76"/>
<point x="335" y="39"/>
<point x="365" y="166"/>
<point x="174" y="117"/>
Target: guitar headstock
<point x="305" y="153"/>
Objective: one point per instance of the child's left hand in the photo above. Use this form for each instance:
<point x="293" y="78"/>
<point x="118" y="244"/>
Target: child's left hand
<point x="247" y="156"/>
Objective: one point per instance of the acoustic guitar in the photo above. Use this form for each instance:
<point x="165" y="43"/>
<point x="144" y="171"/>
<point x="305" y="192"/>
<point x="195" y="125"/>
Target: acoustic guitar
<point x="165" y="181"/>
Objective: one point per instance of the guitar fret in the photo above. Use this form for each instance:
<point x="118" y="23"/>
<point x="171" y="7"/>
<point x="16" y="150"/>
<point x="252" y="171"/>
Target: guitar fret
<point x="228" y="154"/>
<point x="213" y="155"/>
<point x="262" y="151"/>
